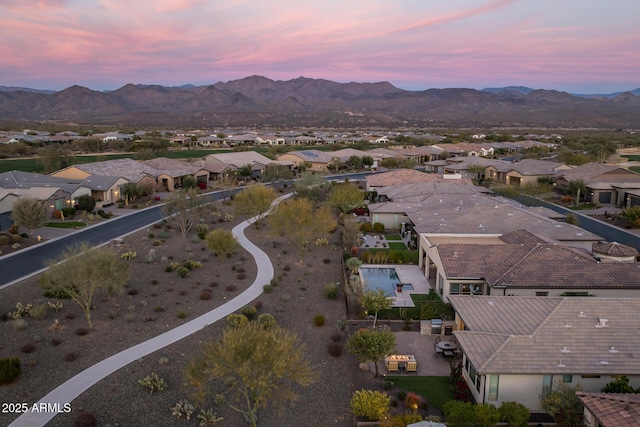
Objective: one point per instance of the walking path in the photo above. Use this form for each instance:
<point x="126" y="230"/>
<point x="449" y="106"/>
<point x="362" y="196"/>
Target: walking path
<point x="75" y="386"/>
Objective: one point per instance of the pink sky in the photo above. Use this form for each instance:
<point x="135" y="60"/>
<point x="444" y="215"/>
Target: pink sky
<point x="579" y="46"/>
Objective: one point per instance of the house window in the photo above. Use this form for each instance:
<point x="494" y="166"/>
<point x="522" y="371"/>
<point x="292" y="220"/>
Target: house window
<point x="590" y="376"/>
<point x="440" y="283"/>
<point x="493" y="387"/>
<point x="546" y="384"/>
<point x="567" y="378"/>
<point x="466" y="288"/>
<point x="575" y="294"/>
<point x="542" y="294"/>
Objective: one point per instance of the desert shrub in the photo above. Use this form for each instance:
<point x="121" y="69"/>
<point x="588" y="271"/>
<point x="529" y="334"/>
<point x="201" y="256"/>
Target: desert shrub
<point x="213" y="284"/>
<point x="129" y="255"/>
<point x="241" y="276"/>
<point x="285" y="297"/>
<point x="182" y="315"/>
<point x="335" y="349"/>
<point x="331" y="291"/>
<point x="267" y="289"/>
<point x="378" y="227"/>
<point x="183" y="293"/>
<point x="55" y="342"/>
<point x="10" y="369"/>
<point x="336" y="337"/>
<point x="157" y="225"/>
<point x="235" y="320"/>
<point x="132" y="292"/>
<point x="158" y="309"/>
<point x="28" y="348"/>
<point x="81" y="331"/>
<point x="205" y="295"/>
<point x="154" y="282"/>
<point x="85" y="419"/>
<point x="266" y="320"/>
<point x="151" y="235"/>
<point x="182" y="272"/>
<point x="168" y="269"/>
<point x="153" y="383"/>
<point x="249" y="311"/>
<point x="39" y="311"/>
<point x="326" y="261"/>
<point x="208" y="417"/>
<point x="318" y="320"/>
<point x="70" y="316"/>
<point x="274" y="281"/>
<point x="70" y="356"/>
<point x="231" y="288"/>
<point x="183" y="409"/>
<point x="287" y="267"/>
<point x="21" y="311"/>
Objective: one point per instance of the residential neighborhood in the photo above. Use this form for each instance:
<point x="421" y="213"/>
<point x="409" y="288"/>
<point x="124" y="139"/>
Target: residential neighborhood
<point x="533" y="298"/>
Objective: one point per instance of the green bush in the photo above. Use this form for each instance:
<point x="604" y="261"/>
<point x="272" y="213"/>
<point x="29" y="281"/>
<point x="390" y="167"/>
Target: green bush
<point x="378" y="227"/>
<point x="367" y="227"/>
<point x="318" y="320"/>
<point x="515" y="414"/>
<point x="371" y="404"/>
<point x="266" y="320"/>
<point x="86" y="203"/>
<point x="235" y="320"/>
<point x="182" y="271"/>
<point x="10" y="369"/>
<point x="267" y="289"/>
<point x="68" y="212"/>
<point x="153" y="383"/>
<point x="182" y="315"/>
<point x="249" y="311"/>
<point x="4" y="239"/>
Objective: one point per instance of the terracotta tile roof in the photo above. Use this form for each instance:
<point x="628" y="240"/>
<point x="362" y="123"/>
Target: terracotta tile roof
<point x="538" y="265"/>
<point x="401" y="176"/>
<point x="613" y="409"/>
<point x="595" y="336"/>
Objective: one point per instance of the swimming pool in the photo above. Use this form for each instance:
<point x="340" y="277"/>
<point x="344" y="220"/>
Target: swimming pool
<point x="385" y="278"/>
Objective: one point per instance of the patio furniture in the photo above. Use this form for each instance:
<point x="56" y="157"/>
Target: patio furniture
<point x="446" y="345"/>
<point x="439" y="351"/>
<point x="448" y="354"/>
<point x="392" y="367"/>
<point x="402" y="367"/>
<point x="438" y="339"/>
<point x="412" y="367"/>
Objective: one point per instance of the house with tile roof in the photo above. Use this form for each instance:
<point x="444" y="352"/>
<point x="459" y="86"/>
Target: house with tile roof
<point x="398" y="177"/>
<point x="521" y="263"/>
<point x="610" y="409"/>
<point x="524" y="172"/>
<point x="518" y="348"/>
<point x="172" y="172"/>
<point x="129" y="169"/>
<point x="221" y="164"/>
<point x="316" y="160"/>
<point x="604" y="183"/>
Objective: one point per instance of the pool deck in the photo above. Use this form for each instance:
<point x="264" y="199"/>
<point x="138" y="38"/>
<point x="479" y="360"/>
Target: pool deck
<point x="411" y="274"/>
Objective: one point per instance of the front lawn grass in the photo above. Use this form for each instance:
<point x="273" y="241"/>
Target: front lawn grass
<point x="66" y="224"/>
<point x="435" y="389"/>
<point x="392" y="237"/>
<point x="397" y="246"/>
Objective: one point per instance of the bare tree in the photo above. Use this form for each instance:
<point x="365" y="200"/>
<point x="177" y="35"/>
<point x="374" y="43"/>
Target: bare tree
<point x="185" y="207"/>
<point x="80" y="272"/>
<point x="260" y="366"/>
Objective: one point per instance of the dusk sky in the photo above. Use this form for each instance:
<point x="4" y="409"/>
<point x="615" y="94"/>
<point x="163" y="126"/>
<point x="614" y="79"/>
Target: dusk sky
<point x="578" y="46"/>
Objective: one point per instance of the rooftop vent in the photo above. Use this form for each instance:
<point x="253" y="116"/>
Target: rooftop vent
<point x="602" y="323"/>
<point x="613" y="350"/>
<point x="561" y="365"/>
<point x="567" y="325"/>
<point x="604" y="362"/>
<point x="581" y="314"/>
<point x="565" y="349"/>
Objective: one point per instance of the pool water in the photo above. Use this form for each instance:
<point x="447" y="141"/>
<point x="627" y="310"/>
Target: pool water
<point x="385" y="278"/>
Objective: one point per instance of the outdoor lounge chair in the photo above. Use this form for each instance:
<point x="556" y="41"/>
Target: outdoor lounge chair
<point x="412" y="367"/>
<point x="392" y="367"/>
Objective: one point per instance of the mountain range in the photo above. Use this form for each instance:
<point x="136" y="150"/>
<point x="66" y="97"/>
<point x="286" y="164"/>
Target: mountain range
<point x="260" y="101"/>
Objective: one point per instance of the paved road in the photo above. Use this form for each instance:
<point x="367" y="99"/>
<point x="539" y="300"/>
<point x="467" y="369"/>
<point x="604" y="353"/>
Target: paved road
<point x="607" y="231"/>
<point x="77" y="385"/>
<point x="25" y="263"/>
<point x="18" y="265"/>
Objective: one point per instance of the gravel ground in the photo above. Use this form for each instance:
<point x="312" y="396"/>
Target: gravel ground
<point x="122" y="321"/>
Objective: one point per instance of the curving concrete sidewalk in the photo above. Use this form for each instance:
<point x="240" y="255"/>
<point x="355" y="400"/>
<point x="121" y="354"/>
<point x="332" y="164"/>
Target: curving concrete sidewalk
<point x="72" y="388"/>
